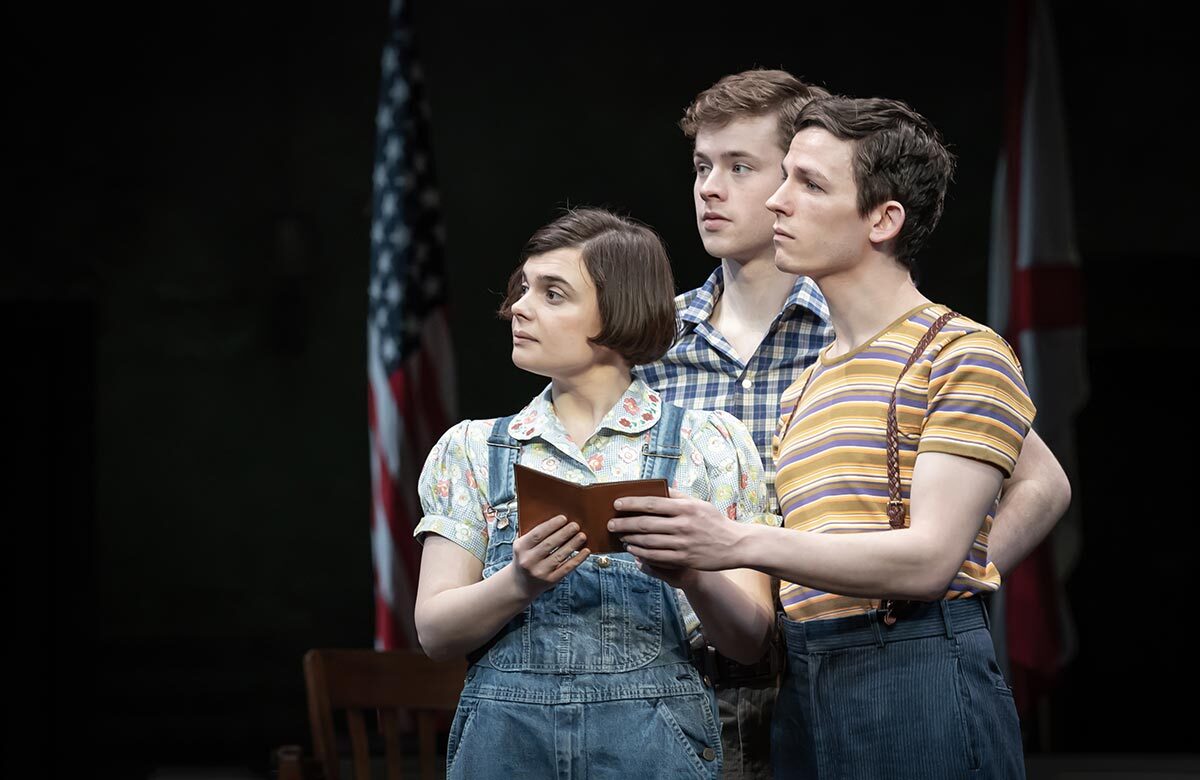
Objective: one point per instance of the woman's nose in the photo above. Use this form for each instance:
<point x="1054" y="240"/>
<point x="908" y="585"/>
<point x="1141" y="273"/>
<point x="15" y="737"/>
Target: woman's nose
<point x="520" y="308"/>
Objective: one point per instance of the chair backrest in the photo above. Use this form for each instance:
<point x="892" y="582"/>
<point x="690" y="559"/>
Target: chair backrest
<point x="358" y="681"/>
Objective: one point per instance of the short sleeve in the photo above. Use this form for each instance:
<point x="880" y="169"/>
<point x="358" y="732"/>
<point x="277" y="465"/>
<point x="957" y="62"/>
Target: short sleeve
<point x="979" y="406"/>
<point x="737" y="482"/>
<point x="453" y="492"/>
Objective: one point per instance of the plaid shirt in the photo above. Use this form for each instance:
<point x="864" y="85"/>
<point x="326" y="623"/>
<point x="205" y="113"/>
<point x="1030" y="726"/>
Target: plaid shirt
<point x="702" y="371"/>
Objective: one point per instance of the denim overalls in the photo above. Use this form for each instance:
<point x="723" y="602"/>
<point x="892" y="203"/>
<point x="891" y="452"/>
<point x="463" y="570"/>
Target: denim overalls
<point x="593" y="679"/>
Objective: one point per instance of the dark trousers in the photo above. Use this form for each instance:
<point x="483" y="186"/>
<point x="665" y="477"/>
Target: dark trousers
<point x="745" y="708"/>
<point x="923" y="698"/>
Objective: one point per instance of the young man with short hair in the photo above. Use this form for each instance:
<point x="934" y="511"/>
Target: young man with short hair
<point x="890" y="451"/>
<point x="745" y="334"/>
<point x="752" y="328"/>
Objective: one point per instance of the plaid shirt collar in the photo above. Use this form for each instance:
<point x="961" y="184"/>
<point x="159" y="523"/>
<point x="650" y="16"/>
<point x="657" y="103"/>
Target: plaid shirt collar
<point x="696" y="306"/>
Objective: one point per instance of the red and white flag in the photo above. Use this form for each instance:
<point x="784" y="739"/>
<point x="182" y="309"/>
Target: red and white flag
<point x="1036" y="302"/>
<point x="410" y="363"/>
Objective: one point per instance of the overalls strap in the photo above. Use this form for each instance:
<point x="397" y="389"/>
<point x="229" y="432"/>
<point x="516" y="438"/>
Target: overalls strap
<point x="503" y="452"/>
<point x="661" y="454"/>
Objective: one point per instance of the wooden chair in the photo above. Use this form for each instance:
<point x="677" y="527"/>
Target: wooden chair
<point x="358" y="681"/>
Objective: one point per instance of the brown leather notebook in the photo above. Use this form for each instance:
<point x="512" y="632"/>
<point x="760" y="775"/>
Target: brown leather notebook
<point x="541" y="497"/>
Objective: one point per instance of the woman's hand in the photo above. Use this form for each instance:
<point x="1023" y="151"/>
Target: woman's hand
<point x="546" y="554"/>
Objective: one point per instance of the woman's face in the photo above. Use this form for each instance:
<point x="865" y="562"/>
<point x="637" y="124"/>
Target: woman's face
<point x="555" y="316"/>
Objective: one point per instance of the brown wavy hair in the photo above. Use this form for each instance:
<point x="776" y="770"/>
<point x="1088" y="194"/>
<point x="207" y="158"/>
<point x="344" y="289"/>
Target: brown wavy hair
<point x="898" y="155"/>
<point x="751" y="93"/>
<point x="628" y="264"/>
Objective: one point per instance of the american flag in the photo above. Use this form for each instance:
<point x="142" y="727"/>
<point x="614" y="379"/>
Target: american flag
<point x="410" y="364"/>
<point x="1036" y="301"/>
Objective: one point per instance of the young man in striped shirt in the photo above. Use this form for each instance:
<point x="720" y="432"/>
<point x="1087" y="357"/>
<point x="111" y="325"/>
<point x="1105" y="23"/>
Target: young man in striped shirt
<point x="706" y="368"/>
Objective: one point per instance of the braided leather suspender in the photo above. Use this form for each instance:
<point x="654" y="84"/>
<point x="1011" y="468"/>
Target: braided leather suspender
<point x="895" y="510"/>
<point x="895" y="506"/>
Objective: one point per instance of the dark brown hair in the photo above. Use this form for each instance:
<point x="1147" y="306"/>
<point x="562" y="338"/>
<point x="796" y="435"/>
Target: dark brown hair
<point x="629" y="266"/>
<point x="751" y="93"/>
<point x="898" y="155"/>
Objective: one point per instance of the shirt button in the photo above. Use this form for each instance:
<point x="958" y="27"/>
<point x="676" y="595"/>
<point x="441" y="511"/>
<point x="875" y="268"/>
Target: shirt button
<point x="602" y="562"/>
<point x="747" y="384"/>
<point x="709" y="754"/>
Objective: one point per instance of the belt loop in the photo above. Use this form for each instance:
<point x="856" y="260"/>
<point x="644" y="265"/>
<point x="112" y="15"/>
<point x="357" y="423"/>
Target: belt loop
<point x="945" y="605"/>
<point x="987" y="619"/>
<point x="873" y="617"/>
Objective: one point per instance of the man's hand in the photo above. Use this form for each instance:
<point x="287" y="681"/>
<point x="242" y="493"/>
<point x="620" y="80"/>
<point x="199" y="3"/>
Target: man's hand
<point x="677" y="532"/>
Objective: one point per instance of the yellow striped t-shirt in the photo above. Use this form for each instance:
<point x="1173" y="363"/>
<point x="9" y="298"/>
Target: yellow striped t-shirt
<point x="965" y="396"/>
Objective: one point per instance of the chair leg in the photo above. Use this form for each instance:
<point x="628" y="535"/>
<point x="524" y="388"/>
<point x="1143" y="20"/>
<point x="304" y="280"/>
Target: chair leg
<point x="427" y="742"/>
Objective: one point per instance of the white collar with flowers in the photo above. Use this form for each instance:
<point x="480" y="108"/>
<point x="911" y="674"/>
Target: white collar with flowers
<point x="637" y="410"/>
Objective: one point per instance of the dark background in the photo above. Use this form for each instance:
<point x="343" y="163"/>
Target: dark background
<point x="184" y="297"/>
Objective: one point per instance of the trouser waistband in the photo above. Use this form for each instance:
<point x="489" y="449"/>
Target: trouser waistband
<point x="935" y="618"/>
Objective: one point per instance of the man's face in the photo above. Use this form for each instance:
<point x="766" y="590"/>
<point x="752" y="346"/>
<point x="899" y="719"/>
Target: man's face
<point x="737" y="169"/>
<point x="555" y="316"/>
<point x="818" y="229"/>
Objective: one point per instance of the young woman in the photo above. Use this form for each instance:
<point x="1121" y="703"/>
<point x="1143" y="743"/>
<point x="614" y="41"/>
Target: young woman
<point x="580" y="663"/>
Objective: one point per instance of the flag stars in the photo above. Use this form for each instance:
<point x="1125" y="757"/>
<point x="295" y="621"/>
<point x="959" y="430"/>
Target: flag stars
<point x="400" y="237"/>
<point x="406" y="272"/>
<point x="399" y="92"/>
<point x="383" y="120"/>
<point x="393" y="149"/>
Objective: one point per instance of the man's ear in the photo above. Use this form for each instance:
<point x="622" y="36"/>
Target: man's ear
<point x="886" y="221"/>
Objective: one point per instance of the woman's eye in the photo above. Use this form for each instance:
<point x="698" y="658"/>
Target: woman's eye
<point x="741" y="168"/>
<point x="702" y="169"/>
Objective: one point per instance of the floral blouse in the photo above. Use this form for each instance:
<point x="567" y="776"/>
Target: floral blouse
<point x="719" y="464"/>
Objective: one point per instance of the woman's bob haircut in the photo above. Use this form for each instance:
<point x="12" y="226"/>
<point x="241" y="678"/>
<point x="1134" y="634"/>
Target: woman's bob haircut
<point x="628" y="263"/>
